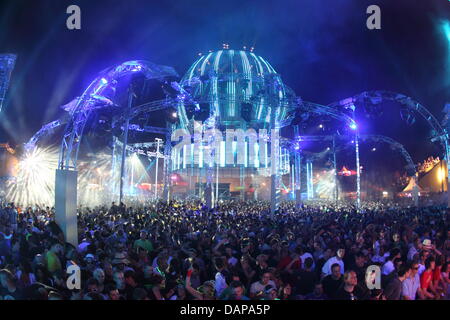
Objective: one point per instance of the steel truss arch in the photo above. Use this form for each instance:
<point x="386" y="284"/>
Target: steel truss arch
<point x="439" y="134"/>
<point x="395" y="145"/>
<point x="45" y="130"/>
<point x="378" y="96"/>
<point x="319" y="109"/>
<point x="93" y="98"/>
<point x="411" y="167"/>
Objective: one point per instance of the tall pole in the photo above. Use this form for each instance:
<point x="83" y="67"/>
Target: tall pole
<point x="113" y="169"/>
<point x="293" y="181"/>
<point x="158" y="141"/>
<point x="447" y="159"/>
<point x="336" y="195"/>
<point x="358" y="172"/>
<point x="125" y="141"/>
<point x="274" y="163"/>
<point x="298" y="169"/>
<point x="446" y="147"/>
<point x="309" y="177"/>
<point x="217" y="180"/>
<point x="241" y="182"/>
<point x="132" y="172"/>
<point x="416" y="190"/>
<point x="167" y="163"/>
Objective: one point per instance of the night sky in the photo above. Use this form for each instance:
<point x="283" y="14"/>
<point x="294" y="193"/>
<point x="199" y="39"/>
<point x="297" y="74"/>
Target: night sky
<point x="322" y="49"/>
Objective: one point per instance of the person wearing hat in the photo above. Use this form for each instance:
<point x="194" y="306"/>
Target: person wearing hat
<point x="270" y="293"/>
<point x="259" y="286"/>
<point x="204" y="292"/>
<point x="120" y="260"/>
<point x="89" y="259"/>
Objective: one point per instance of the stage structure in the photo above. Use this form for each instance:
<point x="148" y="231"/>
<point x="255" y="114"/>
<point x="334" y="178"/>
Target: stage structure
<point x="235" y="93"/>
<point x="7" y="63"/>
<point x="371" y="101"/>
<point x="99" y="95"/>
<point x="395" y="145"/>
<point x="230" y="110"/>
<point x="233" y="132"/>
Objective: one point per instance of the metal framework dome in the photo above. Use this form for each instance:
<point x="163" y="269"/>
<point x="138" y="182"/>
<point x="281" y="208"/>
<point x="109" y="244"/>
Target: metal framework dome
<point x="234" y="88"/>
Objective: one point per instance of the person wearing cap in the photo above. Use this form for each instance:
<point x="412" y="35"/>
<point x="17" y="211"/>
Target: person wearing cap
<point x="270" y="293"/>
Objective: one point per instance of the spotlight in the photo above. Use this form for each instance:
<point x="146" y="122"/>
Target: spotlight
<point x="172" y="115"/>
<point x="320" y="126"/>
<point x="353" y="126"/>
<point x="374" y="149"/>
<point x="134" y="158"/>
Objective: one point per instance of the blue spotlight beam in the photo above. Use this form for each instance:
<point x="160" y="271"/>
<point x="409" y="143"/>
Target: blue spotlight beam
<point x="7" y="63"/>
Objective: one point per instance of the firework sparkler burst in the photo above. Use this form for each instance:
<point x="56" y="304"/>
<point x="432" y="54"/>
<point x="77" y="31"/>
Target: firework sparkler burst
<point x="94" y="179"/>
<point x="326" y="185"/>
<point x="35" y="180"/>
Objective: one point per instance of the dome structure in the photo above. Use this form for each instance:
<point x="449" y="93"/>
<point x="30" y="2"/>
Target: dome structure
<point x="235" y="88"/>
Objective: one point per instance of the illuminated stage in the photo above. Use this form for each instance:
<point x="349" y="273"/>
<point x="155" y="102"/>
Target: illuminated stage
<point x="228" y="129"/>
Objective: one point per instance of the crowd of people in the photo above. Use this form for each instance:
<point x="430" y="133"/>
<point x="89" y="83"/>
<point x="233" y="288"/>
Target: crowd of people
<point x="236" y="251"/>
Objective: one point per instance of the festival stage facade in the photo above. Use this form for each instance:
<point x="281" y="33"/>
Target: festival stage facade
<point x="228" y="129"/>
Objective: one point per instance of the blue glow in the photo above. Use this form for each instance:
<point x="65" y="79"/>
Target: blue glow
<point x="222" y="154"/>
<point x="200" y="158"/>
<point x="234" y="148"/>
<point x="256" y="148"/>
<point x="245" y="154"/>
<point x="103" y="81"/>
<point x="353" y="126"/>
<point x="446" y="28"/>
<point x="184" y="156"/>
